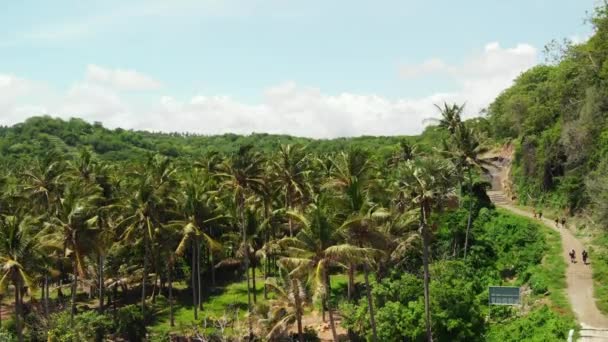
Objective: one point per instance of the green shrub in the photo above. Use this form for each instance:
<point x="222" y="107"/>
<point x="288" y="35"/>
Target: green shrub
<point x="541" y="324"/>
<point x="7" y="336"/>
<point x="538" y="283"/>
<point x="87" y="326"/>
<point x="130" y="323"/>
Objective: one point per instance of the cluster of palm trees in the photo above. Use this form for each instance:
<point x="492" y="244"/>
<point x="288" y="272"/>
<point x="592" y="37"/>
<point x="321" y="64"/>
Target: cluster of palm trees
<point x="294" y="215"/>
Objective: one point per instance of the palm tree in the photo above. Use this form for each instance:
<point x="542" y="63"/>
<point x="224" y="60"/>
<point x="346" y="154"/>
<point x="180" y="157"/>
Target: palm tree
<point x="74" y="229"/>
<point x="451" y="117"/>
<point x="43" y="182"/>
<point x="468" y="154"/>
<point x="361" y="230"/>
<point x="198" y="208"/>
<point x="19" y="257"/>
<point x="145" y="208"/>
<point x="288" y="305"/>
<point x="313" y="251"/>
<point x="291" y="176"/>
<point x="405" y="152"/>
<point x="350" y="177"/>
<point x="243" y="176"/>
<point x="425" y="183"/>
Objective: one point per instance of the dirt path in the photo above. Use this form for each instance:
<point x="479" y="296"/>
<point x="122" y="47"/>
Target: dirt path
<point x="578" y="276"/>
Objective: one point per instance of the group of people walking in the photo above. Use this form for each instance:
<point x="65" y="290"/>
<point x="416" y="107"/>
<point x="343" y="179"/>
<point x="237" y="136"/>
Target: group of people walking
<point x="557" y="222"/>
<point x="539" y="215"/>
<point x="573" y="256"/>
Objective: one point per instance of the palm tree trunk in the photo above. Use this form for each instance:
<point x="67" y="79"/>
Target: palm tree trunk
<point x="241" y="207"/>
<point x="425" y="263"/>
<point x="466" y="236"/>
<point x="101" y="284"/>
<point x="198" y="275"/>
<point x="351" y="281"/>
<point x="296" y="294"/>
<point x="212" y="265"/>
<point x="45" y="290"/>
<point x="170" y="275"/>
<point x="145" y="274"/>
<point x="74" y="290"/>
<point x="329" y="311"/>
<point x="255" y="297"/>
<point x="18" y="310"/>
<point x="193" y="274"/>
<point x="370" y="305"/>
<point x="266" y="265"/>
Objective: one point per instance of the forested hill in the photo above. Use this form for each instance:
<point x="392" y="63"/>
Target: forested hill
<point x="37" y="135"/>
<point x="557" y="117"/>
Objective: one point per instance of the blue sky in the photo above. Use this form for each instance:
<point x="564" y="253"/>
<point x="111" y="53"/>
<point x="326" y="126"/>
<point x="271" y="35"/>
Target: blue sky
<point x="299" y="67"/>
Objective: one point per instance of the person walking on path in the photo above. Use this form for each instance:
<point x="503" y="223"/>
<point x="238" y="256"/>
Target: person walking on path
<point x="572" y="256"/>
<point x="540" y="214"/>
<point x="534" y="212"/>
<point x="557" y="222"/>
<point x="564" y="222"/>
<point x="585" y="255"/>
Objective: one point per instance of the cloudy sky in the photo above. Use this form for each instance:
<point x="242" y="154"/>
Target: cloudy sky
<point x="314" y="68"/>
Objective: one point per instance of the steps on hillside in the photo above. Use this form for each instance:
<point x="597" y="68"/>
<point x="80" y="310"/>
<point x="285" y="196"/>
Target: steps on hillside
<point x="498" y="197"/>
<point x="593" y="335"/>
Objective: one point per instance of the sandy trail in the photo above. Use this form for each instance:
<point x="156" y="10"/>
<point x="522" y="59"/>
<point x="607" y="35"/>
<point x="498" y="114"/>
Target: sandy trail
<point x="578" y="276"/>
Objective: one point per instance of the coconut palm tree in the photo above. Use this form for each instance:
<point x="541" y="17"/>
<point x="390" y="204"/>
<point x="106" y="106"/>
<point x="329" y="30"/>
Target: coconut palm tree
<point x="362" y="230"/>
<point x="74" y="229"/>
<point x="148" y="200"/>
<point x="314" y="250"/>
<point x="242" y="176"/>
<point x="291" y="172"/>
<point x="20" y="256"/>
<point x="197" y="206"/>
<point x="287" y="307"/>
<point x="451" y="117"/>
<point x="468" y="155"/>
<point x="43" y="183"/>
<point x="425" y="182"/>
<point x="350" y="178"/>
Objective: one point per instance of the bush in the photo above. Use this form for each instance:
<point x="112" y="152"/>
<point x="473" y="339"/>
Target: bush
<point x="538" y="283"/>
<point x="87" y="326"/>
<point x="130" y="323"/>
<point x="542" y="324"/>
<point x="7" y="336"/>
<point x="310" y="335"/>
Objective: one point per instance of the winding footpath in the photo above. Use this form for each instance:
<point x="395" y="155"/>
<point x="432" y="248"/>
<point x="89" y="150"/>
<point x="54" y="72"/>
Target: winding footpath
<point x="579" y="279"/>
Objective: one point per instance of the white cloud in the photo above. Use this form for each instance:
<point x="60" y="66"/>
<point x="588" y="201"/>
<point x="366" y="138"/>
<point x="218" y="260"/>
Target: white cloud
<point x="285" y="108"/>
<point x="120" y="79"/>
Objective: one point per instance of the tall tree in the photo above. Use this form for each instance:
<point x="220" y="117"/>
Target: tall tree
<point x="314" y="250"/>
<point x="74" y="230"/>
<point x="291" y="172"/>
<point x="20" y="256"/>
<point x="148" y="200"/>
<point x="242" y="175"/>
<point x="425" y="182"/>
<point x="470" y="155"/>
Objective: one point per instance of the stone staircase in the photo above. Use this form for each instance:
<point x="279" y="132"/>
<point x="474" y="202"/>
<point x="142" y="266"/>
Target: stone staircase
<point x="588" y="334"/>
<point x="498" y="197"/>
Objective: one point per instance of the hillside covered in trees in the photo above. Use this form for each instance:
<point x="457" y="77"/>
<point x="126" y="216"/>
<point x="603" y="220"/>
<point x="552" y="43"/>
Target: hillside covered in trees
<point x="557" y="117"/>
<point x="113" y="234"/>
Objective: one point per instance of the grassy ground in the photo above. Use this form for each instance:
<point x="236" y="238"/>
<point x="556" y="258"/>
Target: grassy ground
<point x="599" y="260"/>
<point x="229" y="302"/>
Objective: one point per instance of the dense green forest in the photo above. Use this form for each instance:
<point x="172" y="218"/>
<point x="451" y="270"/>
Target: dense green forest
<point x="120" y="234"/>
<point x="399" y="241"/>
<point x="557" y="117"/>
